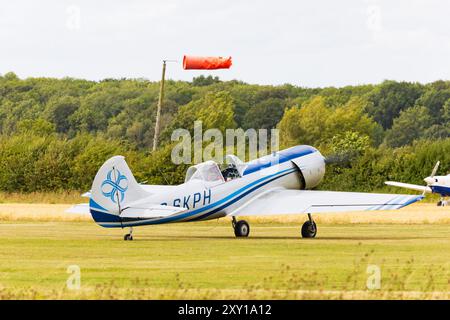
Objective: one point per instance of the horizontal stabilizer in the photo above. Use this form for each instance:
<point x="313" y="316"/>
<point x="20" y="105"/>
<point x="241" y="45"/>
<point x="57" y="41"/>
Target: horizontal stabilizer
<point x="82" y="208"/>
<point x="409" y="186"/>
<point x="155" y="211"/>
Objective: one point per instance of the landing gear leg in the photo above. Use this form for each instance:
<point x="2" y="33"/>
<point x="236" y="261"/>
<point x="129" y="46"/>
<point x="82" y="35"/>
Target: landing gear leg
<point x="309" y="228"/>
<point x="241" y="228"/>
<point x="129" y="236"/>
<point x="442" y="202"/>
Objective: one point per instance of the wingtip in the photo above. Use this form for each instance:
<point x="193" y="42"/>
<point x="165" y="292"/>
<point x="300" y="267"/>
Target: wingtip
<point x="413" y="199"/>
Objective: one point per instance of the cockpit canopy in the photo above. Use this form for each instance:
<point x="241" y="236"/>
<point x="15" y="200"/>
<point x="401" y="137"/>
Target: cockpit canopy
<point x="206" y="171"/>
<point x="211" y="172"/>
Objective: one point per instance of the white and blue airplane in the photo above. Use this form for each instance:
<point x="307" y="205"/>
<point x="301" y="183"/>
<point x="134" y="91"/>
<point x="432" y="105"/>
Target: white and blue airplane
<point x="279" y="183"/>
<point x="435" y="184"/>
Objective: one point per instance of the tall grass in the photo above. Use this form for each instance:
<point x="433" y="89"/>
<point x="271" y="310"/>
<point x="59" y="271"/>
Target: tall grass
<point x="296" y="284"/>
<point x="66" y="197"/>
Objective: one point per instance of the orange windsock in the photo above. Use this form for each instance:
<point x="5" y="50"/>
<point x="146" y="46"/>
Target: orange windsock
<point x="190" y="62"/>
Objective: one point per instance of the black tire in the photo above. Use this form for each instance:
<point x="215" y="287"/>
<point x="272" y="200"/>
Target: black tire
<point x="439" y="204"/>
<point x="241" y="229"/>
<point x="128" y="237"/>
<point x="309" y="230"/>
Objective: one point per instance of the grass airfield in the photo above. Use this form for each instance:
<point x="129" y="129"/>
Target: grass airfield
<point x="204" y="260"/>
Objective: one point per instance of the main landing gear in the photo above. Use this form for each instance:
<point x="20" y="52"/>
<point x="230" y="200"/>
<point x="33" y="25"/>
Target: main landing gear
<point x="442" y="203"/>
<point x="129" y="236"/>
<point x="241" y="228"/>
<point x="309" y="228"/>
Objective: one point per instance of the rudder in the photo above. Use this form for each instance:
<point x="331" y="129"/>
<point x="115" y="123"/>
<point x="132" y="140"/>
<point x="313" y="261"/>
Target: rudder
<point x="114" y="187"/>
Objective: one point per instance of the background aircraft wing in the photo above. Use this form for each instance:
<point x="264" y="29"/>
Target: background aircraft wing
<point x="282" y="201"/>
<point x="409" y="186"/>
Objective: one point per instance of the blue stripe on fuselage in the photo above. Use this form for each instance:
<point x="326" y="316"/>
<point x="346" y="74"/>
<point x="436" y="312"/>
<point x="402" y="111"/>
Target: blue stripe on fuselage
<point x="239" y="197"/>
<point x="278" y="158"/>
<point x="102" y="217"/>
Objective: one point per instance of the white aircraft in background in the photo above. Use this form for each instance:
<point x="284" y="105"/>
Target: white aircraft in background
<point x="435" y="184"/>
<point x="271" y="185"/>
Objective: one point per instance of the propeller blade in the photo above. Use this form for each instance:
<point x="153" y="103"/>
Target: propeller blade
<point x="433" y="173"/>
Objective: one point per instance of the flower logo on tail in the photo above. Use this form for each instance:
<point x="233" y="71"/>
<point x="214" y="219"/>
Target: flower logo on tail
<point x="115" y="186"/>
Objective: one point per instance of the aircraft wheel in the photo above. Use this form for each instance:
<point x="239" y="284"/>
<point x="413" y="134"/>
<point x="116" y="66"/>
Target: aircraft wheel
<point x="309" y="229"/>
<point x="439" y="204"/>
<point x="241" y="229"/>
<point x="128" y="237"/>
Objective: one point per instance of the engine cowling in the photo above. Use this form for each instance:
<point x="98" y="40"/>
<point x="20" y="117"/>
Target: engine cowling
<point x="312" y="169"/>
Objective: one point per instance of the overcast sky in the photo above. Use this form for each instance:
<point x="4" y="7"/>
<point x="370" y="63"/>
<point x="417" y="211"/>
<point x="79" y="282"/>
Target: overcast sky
<point x="306" y="43"/>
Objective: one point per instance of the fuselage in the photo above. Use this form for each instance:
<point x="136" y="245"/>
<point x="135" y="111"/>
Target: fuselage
<point x="440" y="185"/>
<point x="299" y="167"/>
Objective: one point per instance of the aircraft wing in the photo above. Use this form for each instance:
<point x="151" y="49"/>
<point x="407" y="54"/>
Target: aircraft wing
<point x="409" y="186"/>
<point x="283" y="201"/>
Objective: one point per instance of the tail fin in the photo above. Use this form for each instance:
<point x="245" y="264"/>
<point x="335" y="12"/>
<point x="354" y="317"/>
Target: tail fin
<point x="113" y="188"/>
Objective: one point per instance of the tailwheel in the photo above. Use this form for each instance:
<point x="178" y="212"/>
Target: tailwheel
<point x="128" y="236"/>
<point x="241" y="228"/>
<point x="309" y="228"/>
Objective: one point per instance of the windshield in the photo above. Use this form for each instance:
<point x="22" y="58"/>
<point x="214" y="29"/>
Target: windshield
<point x="207" y="171"/>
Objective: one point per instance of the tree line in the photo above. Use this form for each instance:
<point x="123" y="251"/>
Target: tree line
<point x="55" y="133"/>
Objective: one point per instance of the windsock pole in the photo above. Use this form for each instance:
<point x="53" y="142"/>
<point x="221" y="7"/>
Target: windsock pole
<point x="189" y="62"/>
<point x="158" y="112"/>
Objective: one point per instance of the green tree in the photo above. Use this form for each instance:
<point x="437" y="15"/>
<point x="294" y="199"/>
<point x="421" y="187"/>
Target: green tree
<point x="201" y="80"/>
<point x="388" y="99"/>
<point x="408" y="126"/>
<point x="217" y="111"/>
<point x="264" y="115"/>
<point x="38" y="127"/>
<point x="316" y="124"/>
<point x="59" y="110"/>
<point x="435" y="100"/>
<point x="348" y="146"/>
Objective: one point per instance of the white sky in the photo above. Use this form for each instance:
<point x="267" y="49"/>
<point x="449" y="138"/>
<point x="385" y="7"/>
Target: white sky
<point x="306" y="43"/>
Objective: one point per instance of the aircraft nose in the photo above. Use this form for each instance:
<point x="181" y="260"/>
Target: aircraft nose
<point x="429" y="180"/>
